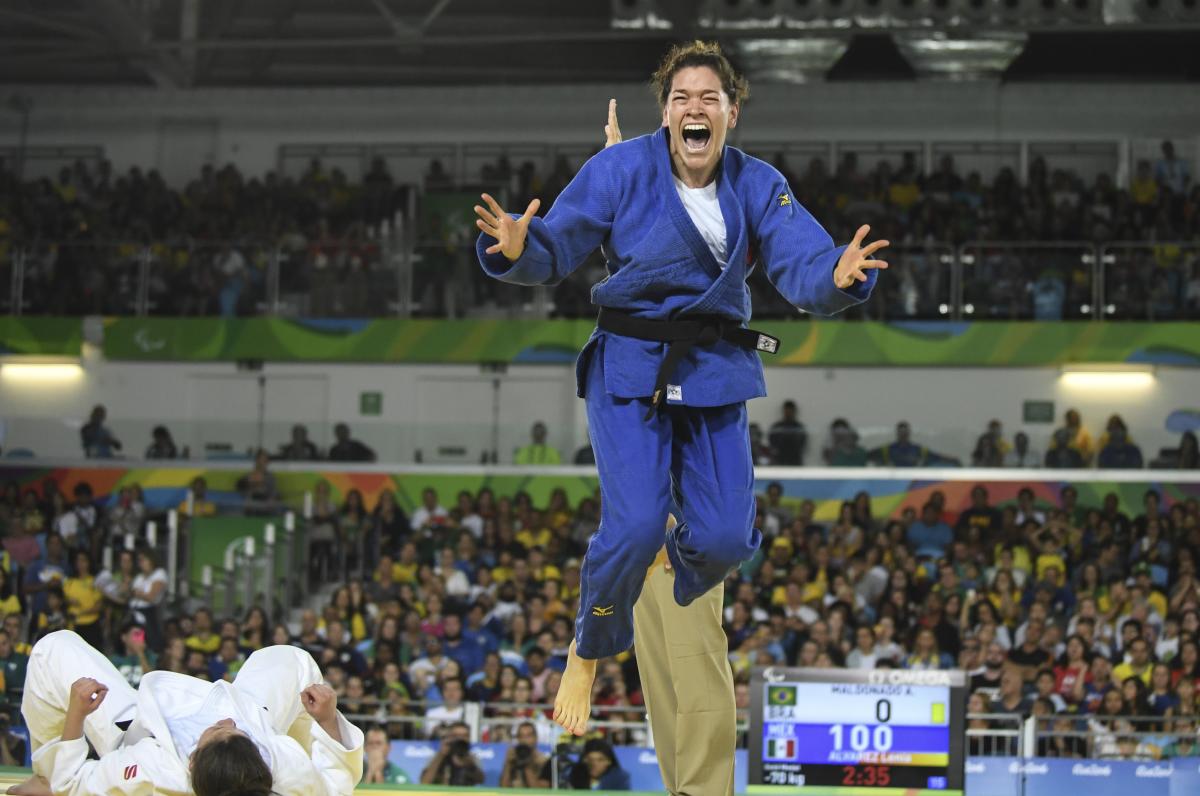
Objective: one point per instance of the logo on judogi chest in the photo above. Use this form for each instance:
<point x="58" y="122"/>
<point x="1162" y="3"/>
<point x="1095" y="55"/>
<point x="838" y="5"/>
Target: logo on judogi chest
<point x="130" y="772"/>
<point x="784" y="200"/>
<point x="602" y="610"/>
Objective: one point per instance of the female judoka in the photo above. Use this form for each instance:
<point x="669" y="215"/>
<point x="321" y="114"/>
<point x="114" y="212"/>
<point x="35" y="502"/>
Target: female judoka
<point x="682" y="218"/>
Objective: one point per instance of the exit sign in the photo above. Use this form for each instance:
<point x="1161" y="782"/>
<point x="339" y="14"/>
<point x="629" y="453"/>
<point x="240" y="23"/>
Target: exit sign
<point x="370" y="403"/>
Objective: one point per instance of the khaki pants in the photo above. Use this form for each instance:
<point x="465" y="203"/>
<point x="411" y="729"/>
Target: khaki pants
<point x="682" y="656"/>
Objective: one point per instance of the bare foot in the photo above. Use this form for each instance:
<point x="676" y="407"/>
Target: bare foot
<point x="34" y="786"/>
<point x="573" y="705"/>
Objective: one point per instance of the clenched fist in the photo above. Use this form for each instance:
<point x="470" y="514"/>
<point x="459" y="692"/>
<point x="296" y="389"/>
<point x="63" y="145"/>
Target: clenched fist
<point x="320" y="702"/>
<point x="86" y="696"/>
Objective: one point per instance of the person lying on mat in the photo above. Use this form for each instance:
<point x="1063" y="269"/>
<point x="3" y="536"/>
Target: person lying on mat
<point x="274" y="731"/>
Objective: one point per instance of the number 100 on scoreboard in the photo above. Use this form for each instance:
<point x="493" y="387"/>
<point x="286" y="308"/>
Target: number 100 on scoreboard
<point x="842" y="732"/>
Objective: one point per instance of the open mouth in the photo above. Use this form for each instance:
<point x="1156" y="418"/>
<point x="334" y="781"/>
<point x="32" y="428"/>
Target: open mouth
<point x="696" y="137"/>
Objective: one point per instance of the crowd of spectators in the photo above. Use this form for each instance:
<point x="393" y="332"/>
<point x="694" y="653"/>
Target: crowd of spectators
<point x="1086" y="615"/>
<point x="211" y="244"/>
<point x="785" y="443"/>
<point x="1069" y="446"/>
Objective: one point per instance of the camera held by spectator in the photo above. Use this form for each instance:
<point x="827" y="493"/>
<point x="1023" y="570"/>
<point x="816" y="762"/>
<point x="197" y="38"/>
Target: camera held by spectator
<point x="453" y="764"/>
<point x="524" y="765"/>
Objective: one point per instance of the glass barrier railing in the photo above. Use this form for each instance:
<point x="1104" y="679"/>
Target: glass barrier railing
<point x="477" y="439"/>
<point x="1044" y="280"/>
<point x="1150" y="281"/>
<point x="378" y="275"/>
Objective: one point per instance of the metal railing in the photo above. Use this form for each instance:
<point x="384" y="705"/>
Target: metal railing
<point x="995" y="735"/>
<point x="390" y="273"/>
<point x="1115" y="737"/>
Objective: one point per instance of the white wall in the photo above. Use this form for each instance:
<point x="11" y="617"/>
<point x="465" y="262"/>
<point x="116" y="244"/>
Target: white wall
<point x="246" y="127"/>
<point x="428" y="406"/>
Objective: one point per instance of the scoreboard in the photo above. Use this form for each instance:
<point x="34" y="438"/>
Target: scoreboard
<point x="847" y="732"/>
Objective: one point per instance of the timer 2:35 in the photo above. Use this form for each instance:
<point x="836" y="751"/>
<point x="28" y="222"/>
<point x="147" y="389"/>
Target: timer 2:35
<point x="879" y="776"/>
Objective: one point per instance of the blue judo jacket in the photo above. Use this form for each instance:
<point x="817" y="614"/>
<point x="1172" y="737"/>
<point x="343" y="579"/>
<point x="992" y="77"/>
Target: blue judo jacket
<point x="659" y="266"/>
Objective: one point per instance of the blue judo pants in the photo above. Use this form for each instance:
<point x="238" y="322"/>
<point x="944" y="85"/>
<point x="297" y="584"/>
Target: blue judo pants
<point x="694" y="461"/>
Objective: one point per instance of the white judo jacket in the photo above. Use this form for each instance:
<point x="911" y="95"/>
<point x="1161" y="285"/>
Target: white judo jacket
<point x="147" y="762"/>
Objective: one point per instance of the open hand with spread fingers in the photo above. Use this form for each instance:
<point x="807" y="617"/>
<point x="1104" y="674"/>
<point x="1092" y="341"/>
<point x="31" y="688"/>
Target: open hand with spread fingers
<point x="509" y="232"/>
<point x="854" y="262"/>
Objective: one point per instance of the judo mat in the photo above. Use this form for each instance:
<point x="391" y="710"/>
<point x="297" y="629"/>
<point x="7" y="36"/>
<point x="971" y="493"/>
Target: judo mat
<point x="12" y="776"/>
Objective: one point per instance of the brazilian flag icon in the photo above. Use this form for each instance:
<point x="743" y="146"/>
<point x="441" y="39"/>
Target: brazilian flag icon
<point x="781" y="695"/>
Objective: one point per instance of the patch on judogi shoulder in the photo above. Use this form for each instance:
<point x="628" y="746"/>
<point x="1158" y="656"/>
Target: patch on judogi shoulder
<point x="674" y="392"/>
<point x="602" y="610"/>
<point x="784" y="200"/>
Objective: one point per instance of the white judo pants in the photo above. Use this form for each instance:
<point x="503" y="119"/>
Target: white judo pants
<point x="272" y="677"/>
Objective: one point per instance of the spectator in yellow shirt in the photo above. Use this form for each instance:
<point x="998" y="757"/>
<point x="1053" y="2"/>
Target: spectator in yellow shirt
<point x="1138" y="663"/>
<point x="539" y="569"/>
<point x="9" y="602"/>
<point x="1080" y="439"/>
<point x="201" y="505"/>
<point x="537" y="452"/>
<point x="1143" y="188"/>
<point x="537" y="534"/>
<point x="405" y="570"/>
<point x="84" y="601"/>
<point x="203" y="639"/>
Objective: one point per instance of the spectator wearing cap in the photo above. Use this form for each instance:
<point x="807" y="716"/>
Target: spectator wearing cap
<point x="537" y="451"/>
<point x="788" y="438"/>
<point x="1117" y="450"/>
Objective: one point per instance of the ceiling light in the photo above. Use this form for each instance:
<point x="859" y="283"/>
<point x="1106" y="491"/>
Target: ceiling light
<point x="1118" y="378"/>
<point x="960" y="56"/>
<point x="30" y="372"/>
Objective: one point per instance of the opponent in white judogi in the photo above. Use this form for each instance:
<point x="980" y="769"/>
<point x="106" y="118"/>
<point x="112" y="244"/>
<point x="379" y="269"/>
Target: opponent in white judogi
<point x="165" y="716"/>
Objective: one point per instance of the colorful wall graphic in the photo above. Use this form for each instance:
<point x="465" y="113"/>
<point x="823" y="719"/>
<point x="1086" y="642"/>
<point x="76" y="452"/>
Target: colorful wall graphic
<point x="823" y="343"/>
<point x="166" y="487"/>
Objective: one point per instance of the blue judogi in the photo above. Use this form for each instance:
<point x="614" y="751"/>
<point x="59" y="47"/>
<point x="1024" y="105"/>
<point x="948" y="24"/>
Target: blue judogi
<point x="694" y="455"/>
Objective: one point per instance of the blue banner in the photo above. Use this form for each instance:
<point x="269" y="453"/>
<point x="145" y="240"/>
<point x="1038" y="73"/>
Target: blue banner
<point x="986" y="776"/>
<point x="1009" y="776"/>
<point x="409" y="758"/>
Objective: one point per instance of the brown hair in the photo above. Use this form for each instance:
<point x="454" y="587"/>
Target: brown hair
<point x="699" y="53"/>
<point x="230" y="767"/>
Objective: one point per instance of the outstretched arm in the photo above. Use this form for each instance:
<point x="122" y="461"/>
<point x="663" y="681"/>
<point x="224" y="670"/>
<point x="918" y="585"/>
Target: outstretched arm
<point x="802" y="261"/>
<point x="528" y="250"/>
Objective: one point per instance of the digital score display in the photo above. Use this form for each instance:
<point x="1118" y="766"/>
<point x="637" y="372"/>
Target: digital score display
<point x="844" y="731"/>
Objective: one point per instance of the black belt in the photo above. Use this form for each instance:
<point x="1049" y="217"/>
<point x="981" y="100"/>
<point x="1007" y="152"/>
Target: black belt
<point x="680" y="336"/>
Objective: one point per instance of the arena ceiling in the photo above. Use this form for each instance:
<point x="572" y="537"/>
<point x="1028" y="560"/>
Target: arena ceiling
<point x="242" y="43"/>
